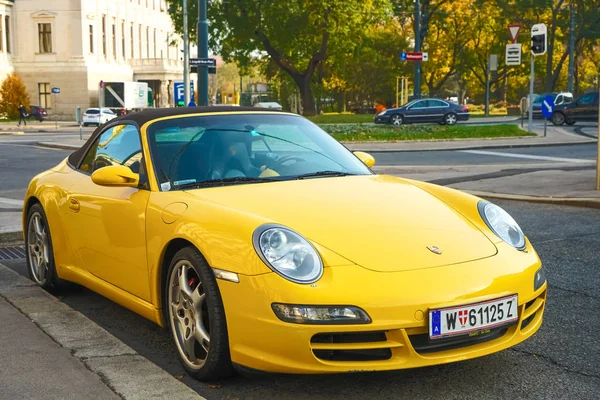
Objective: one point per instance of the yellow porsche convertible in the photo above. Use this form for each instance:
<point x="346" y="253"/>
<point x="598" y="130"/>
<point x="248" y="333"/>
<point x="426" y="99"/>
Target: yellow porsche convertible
<point x="262" y="243"/>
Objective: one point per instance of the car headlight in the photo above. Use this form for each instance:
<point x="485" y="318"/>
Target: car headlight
<point x="287" y="253"/>
<point x="502" y="224"/>
<point x="305" y="314"/>
<point x="382" y="113"/>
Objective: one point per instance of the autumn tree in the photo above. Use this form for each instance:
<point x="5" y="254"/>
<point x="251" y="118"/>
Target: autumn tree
<point x="12" y="94"/>
<point x="297" y="35"/>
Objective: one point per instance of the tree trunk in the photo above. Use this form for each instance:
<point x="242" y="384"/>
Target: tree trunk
<point x="306" y="96"/>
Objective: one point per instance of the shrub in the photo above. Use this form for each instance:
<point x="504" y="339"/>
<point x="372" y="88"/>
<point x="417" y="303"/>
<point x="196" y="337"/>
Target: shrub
<point x="12" y="93"/>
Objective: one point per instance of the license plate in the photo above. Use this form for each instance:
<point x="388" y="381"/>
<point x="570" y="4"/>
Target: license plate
<point x="467" y="318"/>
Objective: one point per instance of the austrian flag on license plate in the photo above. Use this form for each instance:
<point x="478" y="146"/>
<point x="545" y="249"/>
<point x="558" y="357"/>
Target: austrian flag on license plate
<point x="464" y="319"/>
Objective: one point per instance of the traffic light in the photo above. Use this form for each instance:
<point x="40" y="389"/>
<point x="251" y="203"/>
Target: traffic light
<point x="539" y="41"/>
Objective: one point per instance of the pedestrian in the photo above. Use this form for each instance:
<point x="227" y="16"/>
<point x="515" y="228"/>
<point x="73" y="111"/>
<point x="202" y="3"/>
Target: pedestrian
<point x="22" y="115"/>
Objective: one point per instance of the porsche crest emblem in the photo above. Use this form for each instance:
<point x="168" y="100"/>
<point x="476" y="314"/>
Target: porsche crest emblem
<point x="434" y="249"/>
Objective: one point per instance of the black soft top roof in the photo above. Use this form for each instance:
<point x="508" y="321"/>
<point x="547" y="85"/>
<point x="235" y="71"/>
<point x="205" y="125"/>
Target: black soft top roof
<point x="141" y="117"/>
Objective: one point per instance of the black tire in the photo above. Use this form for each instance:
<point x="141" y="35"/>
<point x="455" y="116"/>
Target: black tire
<point x="50" y="278"/>
<point x="450" y="119"/>
<point x="396" y="120"/>
<point x="85" y="125"/>
<point x="558" y="118"/>
<point x="570" y="122"/>
<point x="217" y="363"/>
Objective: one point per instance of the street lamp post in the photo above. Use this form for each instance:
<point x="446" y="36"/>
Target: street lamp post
<point x="202" y="53"/>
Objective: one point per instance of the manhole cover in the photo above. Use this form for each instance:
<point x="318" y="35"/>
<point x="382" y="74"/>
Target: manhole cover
<point x="12" y="253"/>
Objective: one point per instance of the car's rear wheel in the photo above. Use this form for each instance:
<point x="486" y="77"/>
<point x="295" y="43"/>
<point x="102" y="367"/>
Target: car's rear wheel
<point x="450" y="119"/>
<point x="558" y="118"/>
<point x="396" y="120"/>
<point x="39" y="251"/>
<point x="196" y="317"/>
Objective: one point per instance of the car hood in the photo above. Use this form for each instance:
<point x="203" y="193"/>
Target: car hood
<point x="380" y="222"/>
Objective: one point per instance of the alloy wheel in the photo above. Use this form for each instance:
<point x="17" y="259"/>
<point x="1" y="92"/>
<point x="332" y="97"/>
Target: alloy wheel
<point x="396" y="119"/>
<point x="38" y="248"/>
<point x="450" y="119"/>
<point x="189" y="314"/>
<point x="558" y="119"/>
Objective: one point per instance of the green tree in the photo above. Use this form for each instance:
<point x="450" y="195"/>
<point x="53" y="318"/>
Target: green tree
<point x="12" y="94"/>
<point x="297" y="35"/>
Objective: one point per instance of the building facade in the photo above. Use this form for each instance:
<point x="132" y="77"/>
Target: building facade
<point x="6" y="39"/>
<point x="75" y="44"/>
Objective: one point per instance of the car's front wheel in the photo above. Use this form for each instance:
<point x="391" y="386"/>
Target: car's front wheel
<point x="39" y="252"/>
<point x="196" y="317"/>
<point x="558" y="118"/>
<point x="396" y="120"/>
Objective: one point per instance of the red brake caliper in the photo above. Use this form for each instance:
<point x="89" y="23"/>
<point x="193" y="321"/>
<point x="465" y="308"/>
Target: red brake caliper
<point x="193" y="283"/>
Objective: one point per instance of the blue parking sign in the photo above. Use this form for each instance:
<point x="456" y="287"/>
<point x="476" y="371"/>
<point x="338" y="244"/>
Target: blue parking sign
<point x="403" y="56"/>
<point x="548" y="106"/>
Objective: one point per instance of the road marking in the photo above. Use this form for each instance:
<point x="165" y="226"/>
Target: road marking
<point x="12" y="202"/>
<point x="527" y="156"/>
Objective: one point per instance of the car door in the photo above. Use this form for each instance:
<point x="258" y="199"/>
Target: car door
<point x="417" y="112"/>
<point x="437" y="109"/>
<point x="108" y="224"/>
<point x="583" y="108"/>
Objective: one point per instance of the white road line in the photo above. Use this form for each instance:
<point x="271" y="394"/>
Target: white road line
<point x="527" y="156"/>
<point x="12" y="202"/>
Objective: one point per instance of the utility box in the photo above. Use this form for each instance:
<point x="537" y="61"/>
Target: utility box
<point x="125" y="95"/>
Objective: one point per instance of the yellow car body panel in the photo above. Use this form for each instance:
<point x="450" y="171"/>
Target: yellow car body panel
<point x="372" y="237"/>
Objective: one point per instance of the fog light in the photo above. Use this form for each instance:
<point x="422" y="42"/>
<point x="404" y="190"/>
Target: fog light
<point x="324" y="315"/>
<point x="539" y="279"/>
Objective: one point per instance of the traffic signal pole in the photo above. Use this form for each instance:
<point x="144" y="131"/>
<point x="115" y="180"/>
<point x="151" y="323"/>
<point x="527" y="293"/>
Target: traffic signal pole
<point x="202" y="53"/>
<point x="530" y="102"/>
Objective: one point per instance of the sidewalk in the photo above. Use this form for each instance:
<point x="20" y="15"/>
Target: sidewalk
<point x="50" y="351"/>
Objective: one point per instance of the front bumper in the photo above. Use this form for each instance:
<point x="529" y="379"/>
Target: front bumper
<point x="384" y="119"/>
<point x="398" y="305"/>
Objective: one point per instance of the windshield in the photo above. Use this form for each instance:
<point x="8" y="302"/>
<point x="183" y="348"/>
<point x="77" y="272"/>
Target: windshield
<point x="540" y="98"/>
<point x="245" y="148"/>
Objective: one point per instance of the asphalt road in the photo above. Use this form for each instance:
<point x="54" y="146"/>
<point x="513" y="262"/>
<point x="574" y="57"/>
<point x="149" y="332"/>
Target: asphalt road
<point x="561" y="361"/>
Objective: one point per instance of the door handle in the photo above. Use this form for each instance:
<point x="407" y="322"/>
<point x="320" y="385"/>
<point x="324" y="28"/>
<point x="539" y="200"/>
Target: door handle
<point x="74" y="204"/>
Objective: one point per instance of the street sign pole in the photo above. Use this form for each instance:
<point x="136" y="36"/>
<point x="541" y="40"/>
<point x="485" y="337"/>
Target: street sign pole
<point x="417" y="89"/>
<point x="487" y="88"/>
<point x="55" y="113"/>
<point x="202" y="53"/>
<point x="529" y="103"/>
<point x="186" y="56"/>
<point x="598" y="156"/>
<point x="397" y="78"/>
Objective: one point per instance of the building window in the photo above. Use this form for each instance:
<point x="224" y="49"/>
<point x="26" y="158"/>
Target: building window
<point x="123" y="39"/>
<point x="147" y="42"/>
<point x="45" y="37"/>
<point x="1" y="36"/>
<point x="131" y="40"/>
<point x="7" y="29"/>
<point x="92" y="39"/>
<point x="44" y="91"/>
<point x="114" y="40"/>
<point x="104" y="35"/>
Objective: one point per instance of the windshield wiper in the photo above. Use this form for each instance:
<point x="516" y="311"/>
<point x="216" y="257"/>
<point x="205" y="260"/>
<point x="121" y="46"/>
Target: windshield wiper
<point x="323" y="173"/>
<point x="223" y="182"/>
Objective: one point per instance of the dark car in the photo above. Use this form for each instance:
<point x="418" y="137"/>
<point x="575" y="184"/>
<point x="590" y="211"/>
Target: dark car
<point x="424" y="110"/>
<point x="38" y="113"/>
<point x="585" y="108"/>
<point x="558" y="98"/>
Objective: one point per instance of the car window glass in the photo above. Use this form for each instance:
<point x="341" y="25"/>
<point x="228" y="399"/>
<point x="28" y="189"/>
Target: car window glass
<point x="558" y="100"/>
<point x="587" y="99"/>
<point x="436" y="103"/>
<point x="420" y="104"/>
<point x="92" y="111"/>
<point x="118" y="145"/>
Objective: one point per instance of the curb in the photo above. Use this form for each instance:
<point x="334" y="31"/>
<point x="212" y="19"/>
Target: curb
<point x="60" y="146"/>
<point x="561" y="201"/>
<point x="10" y="234"/>
<point x="121" y="368"/>
<point x="12" y="133"/>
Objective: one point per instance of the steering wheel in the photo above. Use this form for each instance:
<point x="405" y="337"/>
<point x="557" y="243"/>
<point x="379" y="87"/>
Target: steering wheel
<point x="284" y="159"/>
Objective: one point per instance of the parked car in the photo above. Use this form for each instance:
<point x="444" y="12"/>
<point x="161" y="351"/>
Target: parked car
<point x="37" y="113"/>
<point x="559" y="98"/>
<point x="92" y="116"/>
<point x="424" y="110"/>
<point x="585" y="108"/>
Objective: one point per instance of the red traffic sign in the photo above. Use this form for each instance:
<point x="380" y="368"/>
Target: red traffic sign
<point x="514" y="31"/>
<point x="416" y="56"/>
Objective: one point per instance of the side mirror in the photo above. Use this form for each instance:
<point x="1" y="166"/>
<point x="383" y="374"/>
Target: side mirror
<point x="366" y="158"/>
<point x="116" y="175"/>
